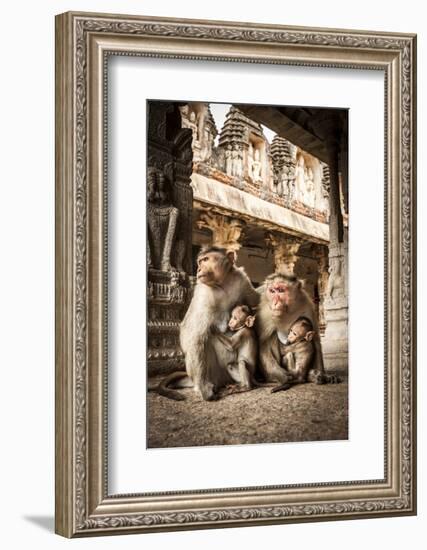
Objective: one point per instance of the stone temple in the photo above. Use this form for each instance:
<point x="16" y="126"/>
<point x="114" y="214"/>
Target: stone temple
<point x="282" y="204"/>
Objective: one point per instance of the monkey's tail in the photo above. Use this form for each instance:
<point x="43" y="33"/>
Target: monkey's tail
<point x="162" y="387"/>
<point x="283" y="387"/>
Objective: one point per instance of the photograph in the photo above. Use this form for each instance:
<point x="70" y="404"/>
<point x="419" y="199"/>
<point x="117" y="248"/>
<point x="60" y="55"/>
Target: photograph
<point x="235" y="273"/>
<point x="247" y="273"/>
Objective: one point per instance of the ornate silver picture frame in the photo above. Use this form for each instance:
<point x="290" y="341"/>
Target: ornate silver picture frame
<point x="84" y="43"/>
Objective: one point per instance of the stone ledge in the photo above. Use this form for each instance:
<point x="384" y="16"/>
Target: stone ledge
<point x="210" y="191"/>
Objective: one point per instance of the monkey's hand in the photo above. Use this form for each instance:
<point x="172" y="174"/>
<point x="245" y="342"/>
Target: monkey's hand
<point x="226" y="341"/>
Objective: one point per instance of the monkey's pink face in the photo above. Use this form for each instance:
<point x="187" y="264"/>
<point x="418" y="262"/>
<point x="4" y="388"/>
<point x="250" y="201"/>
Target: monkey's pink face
<point x="281" y="294"/>
<point x="212" y="268"/>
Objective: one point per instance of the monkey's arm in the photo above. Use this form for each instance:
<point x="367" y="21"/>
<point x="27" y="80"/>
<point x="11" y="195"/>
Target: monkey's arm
<point x="289" y="362"/>
<point x="318" y="356"/>
<point x="250" y="296"/>
<point x="270" y="361"/>
<point x="227" y="341"/>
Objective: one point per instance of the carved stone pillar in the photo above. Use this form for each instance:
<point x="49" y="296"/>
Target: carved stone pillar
<point x="335" y="342"/>
<point x="335" y="219"/>
<point x="285" y="249"/>
<point x="321" y="255"/>
<point x="226" y="232"/>
<point x="306" y="269"/>
<point x="169" y="230"/>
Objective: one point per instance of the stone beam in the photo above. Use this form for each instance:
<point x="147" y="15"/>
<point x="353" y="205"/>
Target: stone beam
<point x="213" y="193"/>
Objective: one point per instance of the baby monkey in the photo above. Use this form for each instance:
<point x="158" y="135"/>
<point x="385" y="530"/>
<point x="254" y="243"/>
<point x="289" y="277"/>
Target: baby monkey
<point x="297" y="355"/>
<point x="243" y="343"/>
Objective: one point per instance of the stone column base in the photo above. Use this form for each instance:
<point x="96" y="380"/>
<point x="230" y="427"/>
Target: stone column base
<point x="337" y="362"/>
<point x="168" y="295"/>
<point x="335" y="340"/>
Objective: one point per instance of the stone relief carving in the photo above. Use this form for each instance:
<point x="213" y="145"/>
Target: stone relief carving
<point x="229" y="160"/>
<point x="236" y="161"/>
<point x="335" y="287"/>
<point x="285" y="251"/>
<point x="300" y="177"/>
<point x="162" y="218"/>
<point x="256" y="167"/>
<point x="283" y="168"/>
<point x="310" y="195"/>
<point x="245" y="155"/>
<point x="198" y="117"/>
<point x="189" y="121"/>
<point x="169" y="208"/>
<point x="250" y="160"/>
<point x="226" y="232"/>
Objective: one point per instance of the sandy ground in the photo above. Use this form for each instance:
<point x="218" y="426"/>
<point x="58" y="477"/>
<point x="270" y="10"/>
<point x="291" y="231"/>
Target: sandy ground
<point x="303" y="413"/>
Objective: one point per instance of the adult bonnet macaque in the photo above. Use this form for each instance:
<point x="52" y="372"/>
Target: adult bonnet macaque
<point x="220" y="286"/>
<point x="283" y="301"/>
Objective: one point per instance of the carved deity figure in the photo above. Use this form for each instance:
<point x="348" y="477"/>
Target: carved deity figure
<point x="228" y="161"/>
<point x="324" y="204"/>
<point x="162" y="219"/>
<point x="291" y="189"/>
<point x="236" y="161"/>
<point x="283" y="184"/>
<point x="310" y="194"/>
<point x="206" y="151"/>
<point x="240" y="164"/>
<point x="250" y="160"/>
<point x="190" y="121"/>
<point x="336" y="279"/>
<point x="300" y="174"/>
<point x="256" y="166"/>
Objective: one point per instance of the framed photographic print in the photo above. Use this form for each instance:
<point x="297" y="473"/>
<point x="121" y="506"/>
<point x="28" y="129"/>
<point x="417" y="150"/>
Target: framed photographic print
<point x="235" y="274"/>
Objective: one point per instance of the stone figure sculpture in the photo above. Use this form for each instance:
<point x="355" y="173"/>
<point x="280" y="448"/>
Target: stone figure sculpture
<point x="336" y="280"/>
<point x="240" y="166"/>
<point x="250" y="160"/>
<point x="310" y="194"/>
<point x="189" y="120"/>
<point x="162" y="221"/>
<point x="228" y="160"/>
<point x="206" y="145"/>
<point x="290" y="190"/>
<point x="236" y="167"/>
<point x="300" y="172"/>
<point x="256" y="166"/>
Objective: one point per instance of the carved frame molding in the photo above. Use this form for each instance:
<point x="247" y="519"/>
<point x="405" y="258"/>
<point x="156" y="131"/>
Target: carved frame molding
<point x="83" y="43"/>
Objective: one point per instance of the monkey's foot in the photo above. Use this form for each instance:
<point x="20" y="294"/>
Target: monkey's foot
<point x="320" y="378"/>
<point x="207" y="391"/>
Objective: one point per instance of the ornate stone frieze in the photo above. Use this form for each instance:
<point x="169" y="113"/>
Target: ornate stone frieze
<point x="226" y="232"/>
<point x="285" y="251"/>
